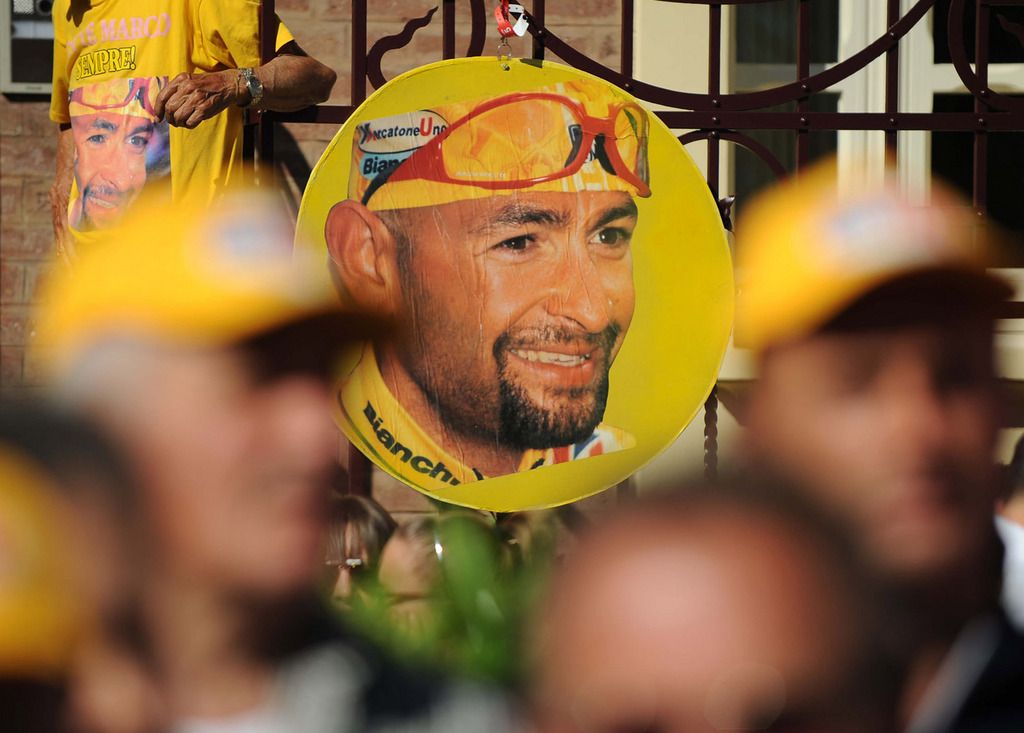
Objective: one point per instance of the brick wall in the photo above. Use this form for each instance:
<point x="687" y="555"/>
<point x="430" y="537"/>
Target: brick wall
<point x="27" y="148"/>
<point x="322" y="27"/>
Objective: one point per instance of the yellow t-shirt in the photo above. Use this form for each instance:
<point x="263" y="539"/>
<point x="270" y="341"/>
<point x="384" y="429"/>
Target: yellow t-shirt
<point x="110" y="63"/>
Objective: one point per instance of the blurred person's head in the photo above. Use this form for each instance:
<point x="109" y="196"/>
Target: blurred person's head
<point x="410" y="567"/>
<point x="416" y="559"/>
<point x="359" y="528"/>
<point x="205" y="354"/>
<point x="43" y="621"/>
<point x="872" y="320"/>
<point x="528" y="535"/>
<point x="713" y="610"/>
<point x="108" y="689"/>
<point x="90" y="475"/>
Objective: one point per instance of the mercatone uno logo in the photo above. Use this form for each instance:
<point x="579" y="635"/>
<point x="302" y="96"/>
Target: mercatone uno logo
<point x="386" y="142"/>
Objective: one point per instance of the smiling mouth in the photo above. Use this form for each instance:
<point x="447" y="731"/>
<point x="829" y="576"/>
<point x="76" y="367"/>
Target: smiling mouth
<point x="104" y="198"/>
<point x="552" y="358"/>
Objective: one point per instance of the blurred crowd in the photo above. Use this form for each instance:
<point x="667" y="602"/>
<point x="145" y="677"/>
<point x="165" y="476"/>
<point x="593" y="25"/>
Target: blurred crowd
<point x="178" y="552"/>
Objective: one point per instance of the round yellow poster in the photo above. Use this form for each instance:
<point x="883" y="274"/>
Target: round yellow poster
<point x="557" y="266"/>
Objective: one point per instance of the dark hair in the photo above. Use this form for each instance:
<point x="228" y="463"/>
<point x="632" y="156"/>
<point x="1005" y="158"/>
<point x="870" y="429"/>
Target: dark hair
<point x="362" y="519"/>
<point x="84" y="462"/>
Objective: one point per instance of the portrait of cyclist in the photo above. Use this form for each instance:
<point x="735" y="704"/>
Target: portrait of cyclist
<point x="499" y="233"/>
<point x="120" y="144"/>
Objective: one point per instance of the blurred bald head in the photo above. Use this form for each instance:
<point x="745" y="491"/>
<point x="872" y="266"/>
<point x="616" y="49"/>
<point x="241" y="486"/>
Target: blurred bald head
<point x="704" y="614"/>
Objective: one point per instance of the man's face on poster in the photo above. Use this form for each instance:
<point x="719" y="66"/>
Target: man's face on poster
<point x="518" y="305"/>
<point x="110" y="164"/>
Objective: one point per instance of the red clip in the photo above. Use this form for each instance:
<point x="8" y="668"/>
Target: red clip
<point x="506" y="26"/>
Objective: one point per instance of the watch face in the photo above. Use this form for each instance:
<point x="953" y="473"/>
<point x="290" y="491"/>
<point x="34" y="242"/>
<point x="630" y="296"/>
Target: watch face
<point x="254" y="85"/>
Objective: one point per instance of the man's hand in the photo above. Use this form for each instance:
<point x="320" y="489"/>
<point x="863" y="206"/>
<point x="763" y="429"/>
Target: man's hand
<point x="191" y="98"/>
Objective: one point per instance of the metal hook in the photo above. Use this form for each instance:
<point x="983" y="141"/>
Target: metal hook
<point x="504" y="54"/>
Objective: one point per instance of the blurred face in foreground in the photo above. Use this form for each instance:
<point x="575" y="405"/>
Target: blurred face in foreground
<point x="408" y="572"/>
<point x="894" y="429"/>
<point x="234" y="471"/>
<point x="663" y="625"/>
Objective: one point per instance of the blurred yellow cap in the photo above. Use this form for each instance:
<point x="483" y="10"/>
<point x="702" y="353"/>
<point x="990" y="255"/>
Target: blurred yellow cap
<point x="39" y="620"/>
<point x="807" y="250"/>
<point x="190" y="276"/>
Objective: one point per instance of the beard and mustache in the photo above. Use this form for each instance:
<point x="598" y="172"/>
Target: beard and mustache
<point x="559" y="417"/>
<point x="570" y="415"/>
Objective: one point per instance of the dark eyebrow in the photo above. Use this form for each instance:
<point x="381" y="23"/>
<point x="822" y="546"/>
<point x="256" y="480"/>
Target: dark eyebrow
<point x="518" y="214"/>
<point x="103" y="124"/>
<point x="626" y="211"/>
<point x="146" y="127"/>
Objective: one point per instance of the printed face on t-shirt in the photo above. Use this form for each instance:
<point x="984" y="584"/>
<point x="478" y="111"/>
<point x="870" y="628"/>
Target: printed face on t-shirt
<point x="118" y="149"/>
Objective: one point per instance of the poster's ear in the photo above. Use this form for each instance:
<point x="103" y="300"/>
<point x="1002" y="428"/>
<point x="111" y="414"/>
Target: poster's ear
<point x="363" y="252"/>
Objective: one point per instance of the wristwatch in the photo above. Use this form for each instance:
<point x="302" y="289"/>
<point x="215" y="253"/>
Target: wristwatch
<point x="255" y="87"/>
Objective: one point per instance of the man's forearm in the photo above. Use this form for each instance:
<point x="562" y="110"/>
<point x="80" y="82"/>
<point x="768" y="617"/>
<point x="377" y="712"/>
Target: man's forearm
<point x="292" y="82"/>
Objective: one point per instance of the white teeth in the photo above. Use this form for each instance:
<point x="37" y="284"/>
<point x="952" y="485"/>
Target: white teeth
<point x="550" y="357"/>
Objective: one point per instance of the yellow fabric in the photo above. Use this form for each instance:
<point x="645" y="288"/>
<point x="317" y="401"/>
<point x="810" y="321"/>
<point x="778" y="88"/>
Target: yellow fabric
<point x="124" y="39"/>
<point x="377" y="424"/>
<point x="38" y="615"/>
<point x="205" y="277"/>
<point x="520" y="140"/>
<point x="807" y="249"/>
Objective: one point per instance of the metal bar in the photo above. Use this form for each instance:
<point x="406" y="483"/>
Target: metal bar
<point x="360" y="472"/>
<point x="358" y="52"/>
<point x="711" y="436"/>
<point x="264" y="142"/>
<point x="718" y="120"/>
<point x="265" y="173"/>
<point x="980" y="173"/>
<point x="714" y="179"/>
<point x="714" y="90"/>
<point x="892" y="82"/>
<point x="803" y="70"/>
<point x="249" y="143"/>
<point x="448" y="29"/>
<point x="538" y="38"/>
<point x="721" y="120"/>
<point x="268" y="31"/>
<point x="322" y="114"/>
<point x="935" y="121"/>
<point x="626" y="45"/>
<point x="1011" y="309"/>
